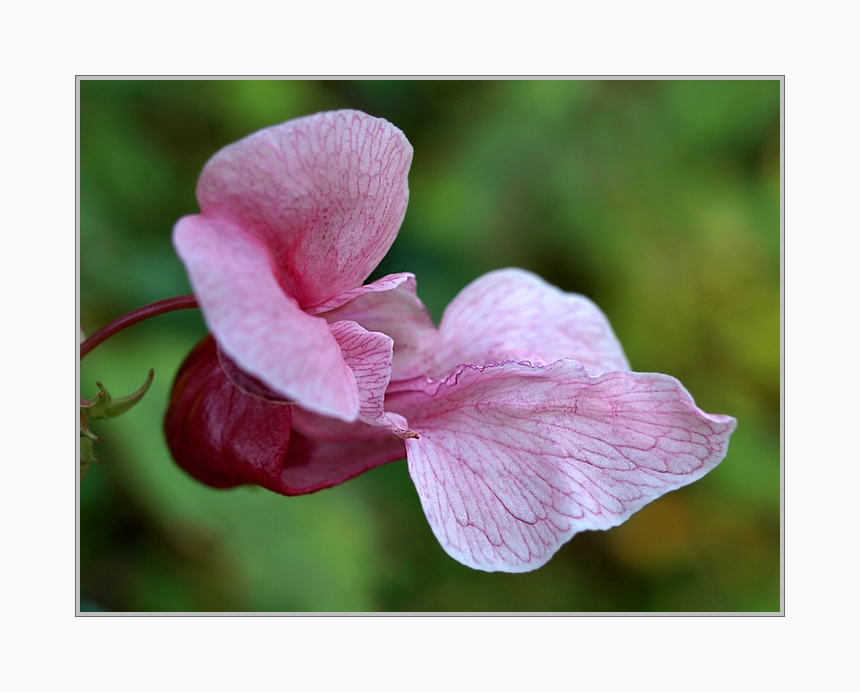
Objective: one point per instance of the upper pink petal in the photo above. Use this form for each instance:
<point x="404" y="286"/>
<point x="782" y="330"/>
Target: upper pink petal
<point x="511" y="314"/>
<point x="260" y="327"/>
<point x="390" y="306"/>
<point x="325" y="193"/>
<point x="513" y="459"/>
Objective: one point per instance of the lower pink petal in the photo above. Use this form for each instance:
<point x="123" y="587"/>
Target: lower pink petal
<point x="257" y="324"/>
<point x="513" y="460"/>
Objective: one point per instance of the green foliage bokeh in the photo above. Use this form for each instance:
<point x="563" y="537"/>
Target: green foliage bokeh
<point x="660" y="200"/>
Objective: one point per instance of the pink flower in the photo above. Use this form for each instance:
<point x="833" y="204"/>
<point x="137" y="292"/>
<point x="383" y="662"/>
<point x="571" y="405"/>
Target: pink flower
<point x="520" y="418"/>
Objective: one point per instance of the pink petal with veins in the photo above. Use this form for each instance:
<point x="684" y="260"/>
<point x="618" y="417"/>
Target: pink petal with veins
<point x="391" y="306"/>
<point x="368" y="354"/>
<point x="512" y="314"/>
<point x="325" y="193"/>
<point x="259" y="326"/>
<point x="513" y="460"/>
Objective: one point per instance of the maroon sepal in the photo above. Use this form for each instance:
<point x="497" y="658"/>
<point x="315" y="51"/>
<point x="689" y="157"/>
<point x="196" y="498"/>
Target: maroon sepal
<point x="220" y="435"/>
<point x="312" y="465"/>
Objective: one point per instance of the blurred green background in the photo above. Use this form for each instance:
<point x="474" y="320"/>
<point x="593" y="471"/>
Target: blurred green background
<point x="657" y="199"/>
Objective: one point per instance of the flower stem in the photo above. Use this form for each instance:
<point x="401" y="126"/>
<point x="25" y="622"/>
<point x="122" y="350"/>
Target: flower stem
<point x="135" y="316"/>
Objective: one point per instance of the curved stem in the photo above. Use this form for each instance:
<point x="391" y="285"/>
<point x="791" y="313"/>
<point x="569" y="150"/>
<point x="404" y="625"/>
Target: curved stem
<point x="135" y="316"/>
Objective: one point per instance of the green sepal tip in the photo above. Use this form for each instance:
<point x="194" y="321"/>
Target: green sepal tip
<point x="104" y="406"/>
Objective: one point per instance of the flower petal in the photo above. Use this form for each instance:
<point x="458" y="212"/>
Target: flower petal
<point x="513" y="460"/>
<point x="259" y="326"/>
<point x="220" y="435"/>
<point x="325" y="193"/>
<point x="368" y="355"/>
<point x="391" y="306"/>
<point x="512" y="314"/>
